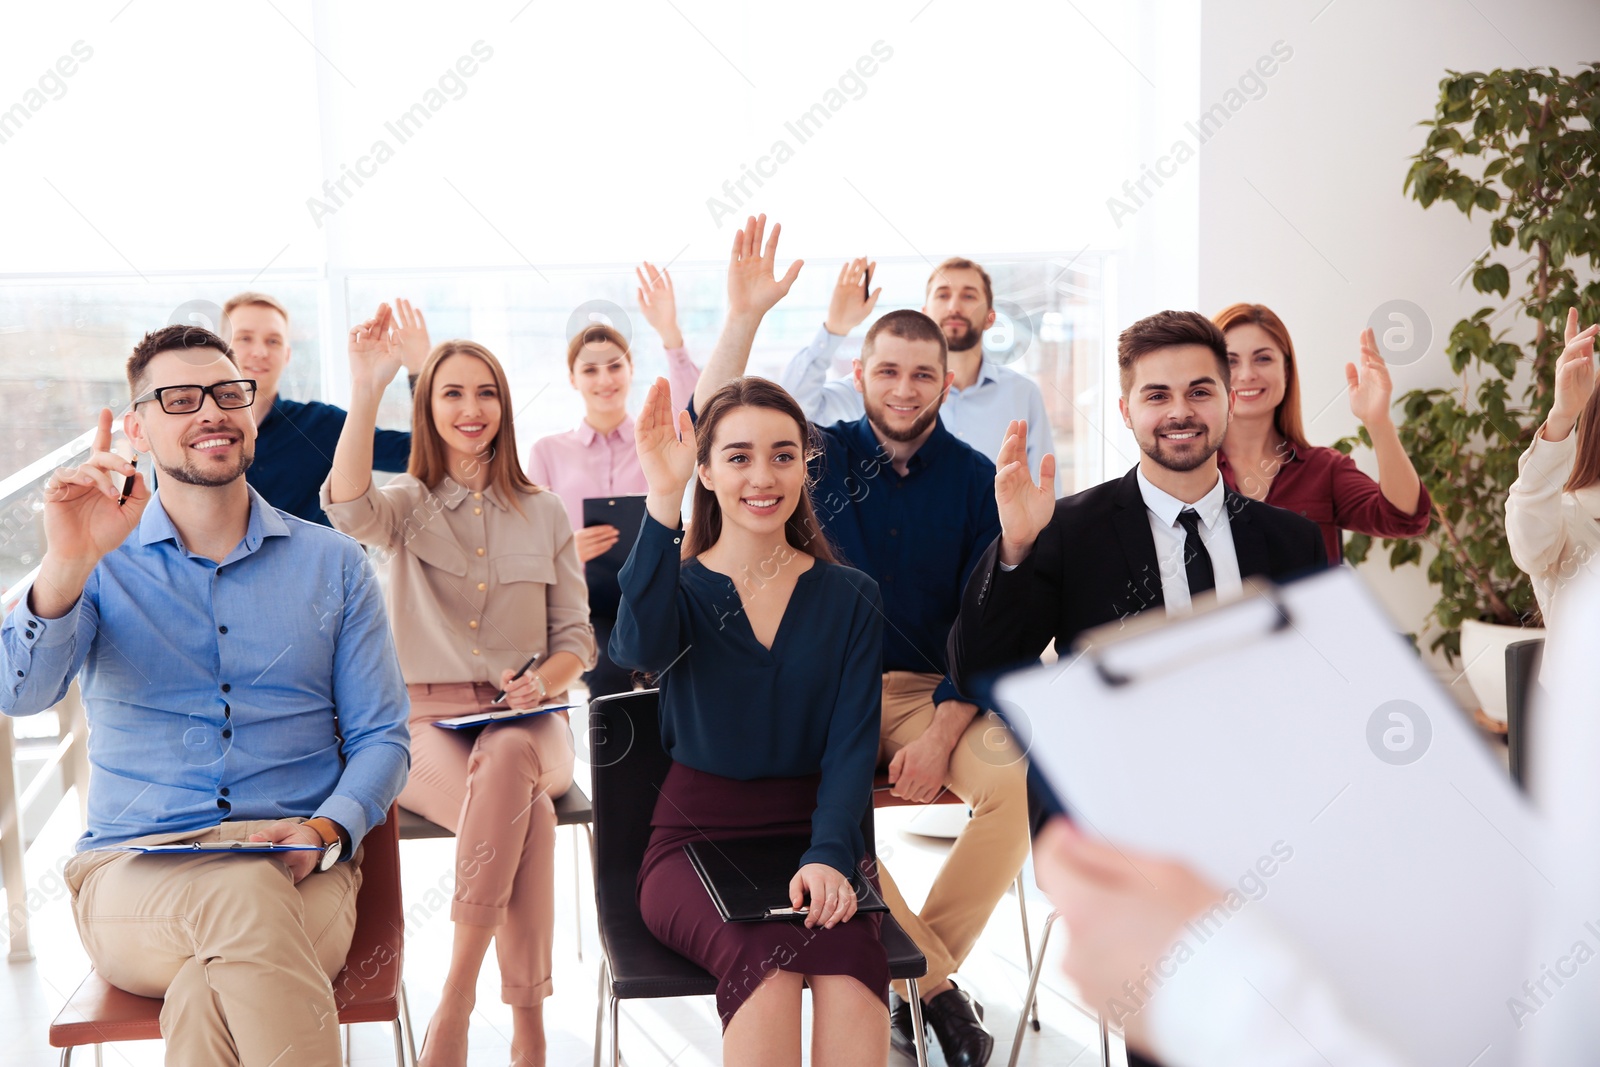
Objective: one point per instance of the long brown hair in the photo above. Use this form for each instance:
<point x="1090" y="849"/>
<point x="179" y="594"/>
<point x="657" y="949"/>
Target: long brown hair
<point x="1286" y="417"/>
<point x="1586" y="468"/>
<point x="802" y="531"/>
<point x="429" y="462"/>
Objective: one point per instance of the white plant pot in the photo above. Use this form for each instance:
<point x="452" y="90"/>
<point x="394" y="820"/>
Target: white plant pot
<point x="1483" y="654"/>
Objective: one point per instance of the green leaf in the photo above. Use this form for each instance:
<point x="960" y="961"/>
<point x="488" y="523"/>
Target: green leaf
<point x="1493" y="278"/>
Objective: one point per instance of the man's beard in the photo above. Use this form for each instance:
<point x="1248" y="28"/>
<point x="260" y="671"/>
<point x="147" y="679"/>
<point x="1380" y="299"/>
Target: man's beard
<point x="190" y="474"/>
<point x="1173" y="462"/>
<point x="970" y="338"/>
<point x="876" y="415"/>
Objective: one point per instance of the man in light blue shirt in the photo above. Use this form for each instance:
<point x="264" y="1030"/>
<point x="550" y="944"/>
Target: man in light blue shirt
<point x="985" y="396"/>
<point x="241" y="685"/>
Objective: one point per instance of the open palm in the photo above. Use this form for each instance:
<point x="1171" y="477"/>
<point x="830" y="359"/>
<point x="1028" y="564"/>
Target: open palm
<point x="1368" y="382"/>
<point x="666" y="458"/>
<point x="1575" y="374"/>
<point x="753" y="287"/>
<point x="374" y="355"/>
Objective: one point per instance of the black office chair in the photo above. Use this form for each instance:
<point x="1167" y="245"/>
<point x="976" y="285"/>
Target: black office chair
<point x="628" y="766"/>
<point x="1522" y="676"/>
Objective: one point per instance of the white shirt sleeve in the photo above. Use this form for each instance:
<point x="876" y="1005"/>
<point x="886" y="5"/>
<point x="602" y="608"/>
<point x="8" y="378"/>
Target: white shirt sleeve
<point x="806" y="378"/>
<point x="1246" y="998"/>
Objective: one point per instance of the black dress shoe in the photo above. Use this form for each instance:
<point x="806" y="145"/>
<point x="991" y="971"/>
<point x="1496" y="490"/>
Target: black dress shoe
<point x="957" y="1021"/>
<point x="900" y="1031"/>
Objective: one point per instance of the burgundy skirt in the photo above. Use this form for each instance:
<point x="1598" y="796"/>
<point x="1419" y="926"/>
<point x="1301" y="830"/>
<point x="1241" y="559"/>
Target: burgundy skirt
<point x="677" y="909"/>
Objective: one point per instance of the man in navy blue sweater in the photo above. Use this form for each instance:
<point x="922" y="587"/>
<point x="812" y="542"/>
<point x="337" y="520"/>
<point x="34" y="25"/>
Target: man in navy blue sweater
<point x="296" y="438"/>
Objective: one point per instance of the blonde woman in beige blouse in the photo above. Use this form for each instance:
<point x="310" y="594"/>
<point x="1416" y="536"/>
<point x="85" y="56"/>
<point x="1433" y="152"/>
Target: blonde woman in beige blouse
<point x="1553" y="509"/>
<point x="483" y="572"/>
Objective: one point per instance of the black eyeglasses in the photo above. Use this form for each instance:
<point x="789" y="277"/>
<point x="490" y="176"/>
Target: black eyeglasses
<point x="186" y="399"/>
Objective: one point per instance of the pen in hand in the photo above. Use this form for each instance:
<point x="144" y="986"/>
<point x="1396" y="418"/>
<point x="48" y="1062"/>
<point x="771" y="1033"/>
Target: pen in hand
<point x="500" y="696"/>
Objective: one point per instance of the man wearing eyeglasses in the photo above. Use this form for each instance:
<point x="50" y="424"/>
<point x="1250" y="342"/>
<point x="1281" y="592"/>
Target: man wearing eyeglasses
<point x="216" y="637"/>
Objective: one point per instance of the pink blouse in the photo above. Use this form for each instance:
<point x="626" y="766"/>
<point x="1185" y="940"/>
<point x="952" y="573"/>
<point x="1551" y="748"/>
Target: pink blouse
<point x="584" y="463"/>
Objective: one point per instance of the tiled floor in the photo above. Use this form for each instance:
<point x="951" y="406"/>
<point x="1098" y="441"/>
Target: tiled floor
<point x="683" y="1033"/>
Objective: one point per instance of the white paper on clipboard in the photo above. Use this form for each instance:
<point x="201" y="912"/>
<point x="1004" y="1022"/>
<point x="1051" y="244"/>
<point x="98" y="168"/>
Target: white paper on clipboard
<point x="1302" y="721"/>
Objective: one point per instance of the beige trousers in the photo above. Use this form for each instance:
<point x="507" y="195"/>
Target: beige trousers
<point x="243" y="956"/>
<point x="495" y="789"/>
<point x="988" y="772"/>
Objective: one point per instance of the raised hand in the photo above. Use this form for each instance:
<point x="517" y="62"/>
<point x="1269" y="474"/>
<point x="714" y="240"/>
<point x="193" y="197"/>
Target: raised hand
<point x="665" y="442"/>
<point x="1369" y="384"/>
<point x="410" y="336"/>
<point x="1025" y="508"/>
<point x="832" y="898"/>
<point x="658" y="303"/>
<point x="82" y="520"/>
<point x="374" y="356"/>
<point x="1575" y="376"/>
<point x="849" y="306"/>
<point x="753" y="287"/>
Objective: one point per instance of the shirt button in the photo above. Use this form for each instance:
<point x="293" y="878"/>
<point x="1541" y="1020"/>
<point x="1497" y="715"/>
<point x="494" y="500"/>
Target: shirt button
<point x="677" y="540"/>
<point x="894" y="533"/>
<point x="477" y="511"/>
<point x="227" y="733"/>
<point x="223" y="790"/>
<point x="222" y="629"/>
<point x="482" y="587"/>
<point x="473" y="624"/>
<point x="475" y="652"/>
<point x="226" y="688"/>
<point x="480" y="551"/>
<point x="477" y="496"/>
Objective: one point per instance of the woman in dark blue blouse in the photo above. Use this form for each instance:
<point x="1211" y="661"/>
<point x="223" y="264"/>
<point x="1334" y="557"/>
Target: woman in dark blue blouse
<point x="769" y="655"/>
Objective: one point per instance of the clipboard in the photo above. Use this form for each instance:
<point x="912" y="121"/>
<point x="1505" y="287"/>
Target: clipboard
<point x="748" y="878"/>
<point x="228" y="848"/>
<point x="1292" y="748"/>
<point x="626" y="513"/>
<point x="483" y="718"/>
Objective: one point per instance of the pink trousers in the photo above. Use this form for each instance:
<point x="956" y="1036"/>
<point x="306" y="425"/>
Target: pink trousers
<point x="494" y="787"/>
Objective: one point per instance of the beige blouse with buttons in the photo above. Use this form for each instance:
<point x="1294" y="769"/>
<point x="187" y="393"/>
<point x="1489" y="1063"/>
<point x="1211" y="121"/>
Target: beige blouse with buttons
<point x="475" y="586"/>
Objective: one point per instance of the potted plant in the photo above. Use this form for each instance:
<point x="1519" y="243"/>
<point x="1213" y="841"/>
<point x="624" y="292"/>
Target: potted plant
<point x="1520" y="147"/>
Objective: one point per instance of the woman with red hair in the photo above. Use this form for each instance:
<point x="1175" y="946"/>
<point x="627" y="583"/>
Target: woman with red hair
<point x="1266" y="455"/>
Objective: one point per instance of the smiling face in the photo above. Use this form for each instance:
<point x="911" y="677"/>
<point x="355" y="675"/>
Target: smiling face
<point x="208" y="447"/>
<point x="756" y="469"/>
<point x="902" y="383"/>
<point x="1260" y="371"/>
<point x="465" y="404"/>
<point x="1177" y="406"/>
<point x="956" y="302"/>
<point x="602" y="374"/>
<point x="260" y="339"/>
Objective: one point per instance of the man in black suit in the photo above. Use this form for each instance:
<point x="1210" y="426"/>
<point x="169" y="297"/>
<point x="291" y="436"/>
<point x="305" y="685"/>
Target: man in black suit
<point x="1166" y="532"/>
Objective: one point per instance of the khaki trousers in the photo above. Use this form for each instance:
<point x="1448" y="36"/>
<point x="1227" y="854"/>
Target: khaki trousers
<point x="495" y="789"/>
<point x="989" y="773"/>
<point x="243" y="956"/>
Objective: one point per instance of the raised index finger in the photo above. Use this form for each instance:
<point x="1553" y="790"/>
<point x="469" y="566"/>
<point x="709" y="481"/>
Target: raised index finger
<point x="102" y="432"/>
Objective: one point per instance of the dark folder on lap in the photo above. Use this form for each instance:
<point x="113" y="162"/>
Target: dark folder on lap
<point x="748" y="878"/>
<point x="626" y="513"/>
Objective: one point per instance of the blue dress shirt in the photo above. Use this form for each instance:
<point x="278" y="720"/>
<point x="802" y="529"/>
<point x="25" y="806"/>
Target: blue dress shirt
<point x="294" y="453"/>
<point x="919" y="537"/>
<point x="263" y="687"/>
<point x="977" y="415"/>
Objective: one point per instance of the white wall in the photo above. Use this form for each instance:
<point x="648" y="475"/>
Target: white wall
<point x="1301" y="202"/>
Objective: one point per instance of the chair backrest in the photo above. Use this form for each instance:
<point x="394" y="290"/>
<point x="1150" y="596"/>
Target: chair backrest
<point x="1522" y="672"/>
<point x="372" y="967"/>
<point x="628" y="765"/>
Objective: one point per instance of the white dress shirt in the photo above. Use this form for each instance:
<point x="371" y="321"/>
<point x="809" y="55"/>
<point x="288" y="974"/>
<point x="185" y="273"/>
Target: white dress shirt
<point x="1170" y="536"/>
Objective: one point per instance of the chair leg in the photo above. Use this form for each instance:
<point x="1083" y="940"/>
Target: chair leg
<point x="99" y="1055"/>
<point x="577" y="896"/>
<point x="599" y="1011"/>
<point x="346" y="1045"/>
<point x="66" y="1057"/>
<point x="1027" y="950"/>
<point x="1033" y="990"/>
<point x="1105" y="1044"/>
<point x="399" y="1044"/>
<point x="616" y="1032"/>
<point x="918" y="1035"/>
<point x="411" y="1034"/>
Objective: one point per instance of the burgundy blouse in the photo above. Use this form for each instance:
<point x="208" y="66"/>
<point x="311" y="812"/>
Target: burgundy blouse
<point x="1327" y="487"/>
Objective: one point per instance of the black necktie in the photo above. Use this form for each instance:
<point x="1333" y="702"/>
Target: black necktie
<point x="1196" y="560"/>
